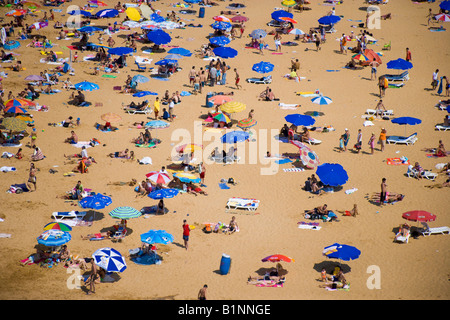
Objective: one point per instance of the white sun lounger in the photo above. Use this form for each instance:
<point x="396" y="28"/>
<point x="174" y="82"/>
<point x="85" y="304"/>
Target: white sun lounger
<point x="402" y="140"/>
<point x="373" y="112"/>
<point x="441" y="127"/>
<point x="243" y="203"/>
<point x="429" y="231"/>
<point x="400" y="238"/>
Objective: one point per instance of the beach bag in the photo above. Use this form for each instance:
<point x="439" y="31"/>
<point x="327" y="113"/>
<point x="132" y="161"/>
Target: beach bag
<point x="386" y="83"/>
<point x="207" y="229"/>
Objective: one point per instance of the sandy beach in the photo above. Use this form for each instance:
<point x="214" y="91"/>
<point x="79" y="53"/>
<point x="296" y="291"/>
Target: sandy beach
<point x="415" y="270"/>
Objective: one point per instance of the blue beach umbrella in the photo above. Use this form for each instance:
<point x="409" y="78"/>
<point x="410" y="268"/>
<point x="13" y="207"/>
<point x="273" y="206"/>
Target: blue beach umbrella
<point x="406" y="121"/>
<point x="225" y="52"/>
<point x="276" y="15"/>
<point x="157" y="18"/>
<point x="107" y="13"/>
<point x="109" y="259"/>
<point x="332" y="174"/>
<point x="97" y="201"/>
<point x="181" y="51"/>
<point x="220" y="41"/>
<point x="263" y="67"/>
<point x="327" y="20"/>
<point x="192" y="1"/>
<point x="321" y="100"/>
<point x="90" y="29"/>
<point x="300" y="119"/>
<point x="399" y="64"/>
<point x="341" y="252"/>
<point x="86" y="86"/>
<point x="258" y="33"/>
<point x="120" y="51"/>
<point x="445" y="5"/>
<point x="11" y="45"/>
<point x="159" y="37"/>
<point x="141" y="94"/>
<point x="234" y="137"/>
<point x="80" y="12"/>
<point x="221" y="25"/>
<point x="165" y="62"/>
<point x="54" y="238"/>
<point x="140" y="79"/>
<point x="157" y="236"/>
<point x="163" y="194"/>
<point x="125" y="213"/>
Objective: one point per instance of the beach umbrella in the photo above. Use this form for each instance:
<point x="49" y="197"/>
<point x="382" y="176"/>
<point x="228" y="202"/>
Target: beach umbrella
<point x="165" y="62"/>
<point x="360" y="57"/>
<point x="232" y="107"/>
<point x="419" y="216"/>
<point x="296" y="31"/>
<point x="220" y="99"/>
<point x="90" y="29"/>
<point x="120" y="51"/>
<point x="97" y="201"/>
<point x="221" y="25"/>
<point x="111" y="117"/>
<point x="225" y="52"/>
<point x="173" y="56"/>
<point x="192" y="1"/>
<point x="19" y="103"/>
<point x="14" y="124"/>
<point x="332" y="174"/>
<point x="406" y="121"/>
<point x="133" y="14"/>
<point x="157" y="18"/>
<point x="277" y="258"/>
<point x="163" y="194"/>
<point x="107" y="13"/>
<point x="58" y="226"/>
<point x="278" y="14"/>
<point x="442" y="17"/>
<point x="239" y="19"/>
<point x="159" y="37"/>
<point x="263" y="67"/>
<point x="258" y="33"/>
<point x="370" y="54"/>
<point x="125" y="213"/>
<point x="181" y="51"/>
<point x="157" y="236"/>
<point x="309" y="158"/>
<point x="399" y="64"/>
<point x="188" y="148"/>
<point x="54" y="238"/>
<point x="86" y="86"/>
<point x="221" y="117"/>
<point x="156" y="124"/>
<point x="34" y="78"/>
<point x="25" y="118"/>
<point x="220" y="41"/>
<point x="321" y="100"/>
<point x="221" y="18"/>
<point x="15" y="110"/>
<point x="341" y="252"/>
<point x="140" y="79"/>
<point x="16" y="13"/>
<point x="144" y="93"/>
<point x="234" y="137"/>
<point x="11" y="45"/>
<point x="300" y="145"/>
<point x="287" y="19"/>
<point x="109" y="259"/>
<point x="246" y="123"/>
<point x="80" y="12"/>
<point x="288" y="3"/>
<point x="158" y="177"/>
<point x="327" y="20"/>
<point x="300" y="119"/>
<point x="187" y="177"/>
<point x="98" y="3"/>
<point x="445" y="5"/>
<point x="39" y="25"/>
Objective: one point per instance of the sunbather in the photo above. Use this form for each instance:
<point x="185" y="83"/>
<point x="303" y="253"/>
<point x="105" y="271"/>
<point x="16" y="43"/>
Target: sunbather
<point x="99" y="236"/>
<point x="390" y="197"/>
<point x="119" y="154"/>
<point x="191" y="188"/>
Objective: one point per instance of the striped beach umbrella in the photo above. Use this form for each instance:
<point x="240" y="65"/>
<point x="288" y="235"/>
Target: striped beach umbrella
<point x="321" y="100"/>
<point x="109" y="259"/>
<point x="233" y="107"/>
<point x="58" y="226"/>
<point x="360" y="57"/>
<point x="221" y="117"/>
<point x="246" y="123"/>
<point x="125" y="213"/>
<point x="158" y="177"/>
<point x="309" y="158"/>
<point x="277" y="258"/>
<point x="442" y="17"/>
<point x="22" y="103"/>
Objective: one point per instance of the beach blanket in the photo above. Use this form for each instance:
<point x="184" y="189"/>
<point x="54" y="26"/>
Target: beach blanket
<point x="307" y="94"/>
<point x="286" y="106"/>
<point x="223" y="186"/>
<point x="282" y="161"/>
<point x="60" y="61"/>
<point x="7" y="155"/>
<point x="5" y="235"/>
<point x="143" y="60"/>
<point x="145" y="160"/>
<point x="81" y="144"/>
<point x="270" y="284"/>
<point x="397" y="161"/>
<point x="432" y="155"/>
<point x="7" y="169"/>
<point x="150" y="145"/>
<point x="309" y="225"/>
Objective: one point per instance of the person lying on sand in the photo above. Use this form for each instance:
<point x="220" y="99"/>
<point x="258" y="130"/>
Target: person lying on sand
<point x="440" y="185"/>
<point x="105" y="235"/>
<point x="390" y="196"/>
<point x="119" y="154"/>
<point x="353" y="213"/>
<point x="191" y="188"/>
<point x="131" y="183"/>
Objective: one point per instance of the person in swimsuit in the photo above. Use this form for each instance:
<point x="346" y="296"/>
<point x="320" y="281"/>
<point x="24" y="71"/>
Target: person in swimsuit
<point x="383" y="194"/>
<point x="237" y="79"/>
<point x="373" y="72"/>
<point x="32" y="177"/>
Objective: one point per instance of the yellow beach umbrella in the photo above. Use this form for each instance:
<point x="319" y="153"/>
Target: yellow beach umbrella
<point x="133" y="14"/>
<point x="233" y="107"/>
<point x="288" y="3"/>
<point x="14" y="124"/>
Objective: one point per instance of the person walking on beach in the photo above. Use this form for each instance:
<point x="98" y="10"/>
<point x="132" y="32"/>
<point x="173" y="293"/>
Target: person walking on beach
<point x="382" y="138"/>
<point x="408" y="55"/>
<point x="383" y="191"/>
<point x="373" y="69"/>
<point x="202" y="293"/>
<point x="186" y="233"/>
<point x="372" y="143"/>
<point x="277" y="39"/>
<point x="156" y="107"/>
<point x="236" y="79"/>
<point x="382" y="85"/>
<point x="32" y="177"/>
<point x="435" y="80"/>
<point x="201" y="171"/>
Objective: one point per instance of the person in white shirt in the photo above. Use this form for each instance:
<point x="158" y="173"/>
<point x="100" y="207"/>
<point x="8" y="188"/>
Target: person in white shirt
<point x="435" y="81"/>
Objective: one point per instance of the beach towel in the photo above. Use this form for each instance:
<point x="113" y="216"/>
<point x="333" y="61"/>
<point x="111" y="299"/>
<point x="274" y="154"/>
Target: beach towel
<point x="223" y="186"/>
<point x="5" y="235"/>
<point x="397" y="161"/>
<point x="350" y="191"/>
<point x="145" y="160"/>
<point x="142" y="60"/>
<point x="81" y="144"/>
<point x="307" y="94"/>
<point x="270" y="284"/>
<point x="293" y="170"/>
<point x="282" y="161"/>
<point x="286" y="106"/>
<point x="7" y="169"/>
<point x="109" y="76"/>
<point x="431" y="155"/>
<point x="150" y="145"/>
<point x="7" y="155"/>
<point x="309" y="225"/>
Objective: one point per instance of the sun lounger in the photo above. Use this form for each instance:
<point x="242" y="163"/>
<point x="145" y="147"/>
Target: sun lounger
<point x="441" y="127"/>
<point x="427" y="231"/>
<point x="71" y="218"/>
<point x="402" y="140"/>
<point x="263" y="80"/>
<point x="119" y="235"/>
<point x="242" y="203"/>
<point x="373" y="112"/>
<point x="147" y="110"/>
<point x="397" y="77"/>
<point x="412" y="173"/>
<point x="400" y="238"/>
<point x="314" y="141"/>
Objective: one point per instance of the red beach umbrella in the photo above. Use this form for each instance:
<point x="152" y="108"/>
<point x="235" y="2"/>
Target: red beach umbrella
<point x="419" y="216"/>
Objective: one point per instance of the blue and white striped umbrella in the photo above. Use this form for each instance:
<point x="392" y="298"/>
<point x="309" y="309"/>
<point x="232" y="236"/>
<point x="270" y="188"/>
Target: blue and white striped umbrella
<point x="54" y="238"/>
<point x="110" y="260"/>
<point x="321" y="100"/>
<point x="157" y="236"/>
<point x="125" y="213"/>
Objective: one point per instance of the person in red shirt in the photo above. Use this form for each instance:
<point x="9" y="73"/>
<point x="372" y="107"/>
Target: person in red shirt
<point x="186" y="232"/>
<point x="408" y="55"/>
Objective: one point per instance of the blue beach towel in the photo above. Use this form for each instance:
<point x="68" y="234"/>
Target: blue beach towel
<point x="223" y="186"/>
<point x="283" y="161"/>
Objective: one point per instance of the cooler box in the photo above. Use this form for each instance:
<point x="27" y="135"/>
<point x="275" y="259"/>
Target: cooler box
<point x="225" y="264"/>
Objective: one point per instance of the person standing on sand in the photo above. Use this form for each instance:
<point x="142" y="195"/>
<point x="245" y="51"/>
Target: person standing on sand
<point x="383" y="191"/>
<point x="236" y="79"/>
<point x="202" y="293"/>
<point x="435" y="82"/>
<point x="382" y="138"/>
<point x="201" y="171"/>
<point x="373" y="69"/>
<point x="186" y="233"/>
<point x="408" y="55"/>
<point x="192" y="74"/>
<point x="372" y="143"/>
<point x="32" y="177"/>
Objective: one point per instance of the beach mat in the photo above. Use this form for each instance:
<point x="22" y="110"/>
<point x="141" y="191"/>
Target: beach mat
<point x="282" y="161"/>
<point x="109" y="76"/>
<point x="223" y="186"/>
<point x="396" y="161"/>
